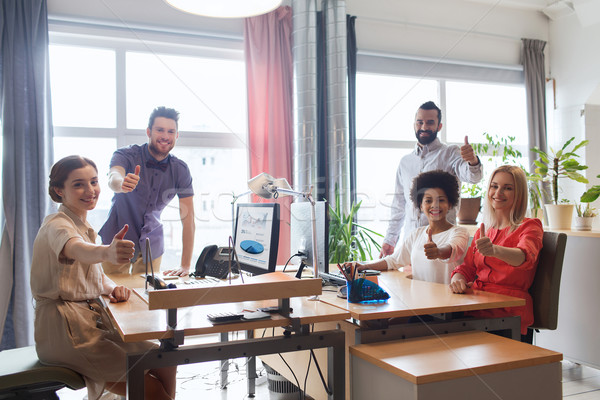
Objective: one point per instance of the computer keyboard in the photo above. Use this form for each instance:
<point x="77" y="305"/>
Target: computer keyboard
<point x="208" y="280"/>
<point x="335" y="278"/>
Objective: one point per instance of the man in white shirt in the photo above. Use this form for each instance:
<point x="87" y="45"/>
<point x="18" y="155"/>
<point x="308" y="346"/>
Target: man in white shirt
<point x="429" y="154"/>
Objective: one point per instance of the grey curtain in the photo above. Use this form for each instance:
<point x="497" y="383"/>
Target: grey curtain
<point x="532" y="56"/>
<point x="26" y="157"/>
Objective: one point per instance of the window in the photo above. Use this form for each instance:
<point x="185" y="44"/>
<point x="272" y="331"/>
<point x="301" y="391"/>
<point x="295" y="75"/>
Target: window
<point x="103" y="90"/>
<point x="473" y="100"/>
<point x="83" y="82"/>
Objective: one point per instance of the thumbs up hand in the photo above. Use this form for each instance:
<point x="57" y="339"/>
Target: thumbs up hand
<point x="467" y="153"/>
<point x="131" y="180"/>
<point x="484" y="244"/>
<point x="120" y="251"/>
<point x="432" y="252"/>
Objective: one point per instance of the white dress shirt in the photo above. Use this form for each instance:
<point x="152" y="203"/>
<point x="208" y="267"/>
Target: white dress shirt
<point x="432" y="156"/>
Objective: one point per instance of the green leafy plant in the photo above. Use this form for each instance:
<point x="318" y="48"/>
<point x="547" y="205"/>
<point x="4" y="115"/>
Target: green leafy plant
<point x="349" y="241"/>
<point x="536" y="193"/>
<point x="585" y="212"/>
<point x="591" y="194"/>
<point x="493" y="147"/>
<point x="559" y="164"/>
<point x="471" y="190"/>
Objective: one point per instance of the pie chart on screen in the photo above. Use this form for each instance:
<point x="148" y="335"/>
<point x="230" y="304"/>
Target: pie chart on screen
<point x="252" y="247"/>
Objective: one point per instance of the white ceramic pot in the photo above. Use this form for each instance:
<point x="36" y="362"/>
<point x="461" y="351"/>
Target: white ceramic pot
<point x="583" y="223"/>
<point x="559" y="216"/>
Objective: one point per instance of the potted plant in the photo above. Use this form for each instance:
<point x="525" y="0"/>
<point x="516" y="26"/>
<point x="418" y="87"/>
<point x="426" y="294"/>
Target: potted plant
<point x="349" y="241"/>
<point x="591" y="194"/>
<point x="585" y="217"/>
<point x="495" y="150"/>
<point x="557" y="165"/>
<point x="470" y="203"/>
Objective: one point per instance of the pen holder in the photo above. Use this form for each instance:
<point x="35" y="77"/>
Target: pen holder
<point x="362" y="290"/>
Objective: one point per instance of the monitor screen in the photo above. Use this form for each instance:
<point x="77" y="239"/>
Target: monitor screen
<point x="301" y="233"/>
<point x="257" y="236"/>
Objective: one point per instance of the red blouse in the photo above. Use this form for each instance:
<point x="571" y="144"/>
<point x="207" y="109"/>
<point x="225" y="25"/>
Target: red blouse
<point x="494" y="275"/>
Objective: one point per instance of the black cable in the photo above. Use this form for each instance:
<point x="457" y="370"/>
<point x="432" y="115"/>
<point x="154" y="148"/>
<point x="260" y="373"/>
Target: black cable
<point x="329" y="392"/>
<point x="294" y="375"/>
<point x="306" y="377"/>
<point x="290" y="259"/>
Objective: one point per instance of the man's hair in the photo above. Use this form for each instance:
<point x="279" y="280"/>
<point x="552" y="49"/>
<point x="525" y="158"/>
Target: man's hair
<point x="60" y="172"/>
<point x="519" y="207"/>
<point x="430" y="105"/>
<point x="165" y="112"/>
<point x="436" y="179"/>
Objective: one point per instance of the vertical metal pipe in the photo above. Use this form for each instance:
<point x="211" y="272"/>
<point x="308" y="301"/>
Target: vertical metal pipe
<point x="305" y="93"/>
<point x="338" y="157"/>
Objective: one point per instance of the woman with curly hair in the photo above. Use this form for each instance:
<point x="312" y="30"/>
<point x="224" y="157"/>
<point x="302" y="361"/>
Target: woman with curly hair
<point x="434" y="250"/>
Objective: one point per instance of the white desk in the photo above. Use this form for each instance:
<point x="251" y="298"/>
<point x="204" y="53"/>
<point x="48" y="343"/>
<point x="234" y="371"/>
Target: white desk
<point x="578" y="317"/>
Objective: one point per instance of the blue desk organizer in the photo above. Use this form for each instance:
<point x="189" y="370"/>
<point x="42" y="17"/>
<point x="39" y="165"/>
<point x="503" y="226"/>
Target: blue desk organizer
<point x="362" y="290"/>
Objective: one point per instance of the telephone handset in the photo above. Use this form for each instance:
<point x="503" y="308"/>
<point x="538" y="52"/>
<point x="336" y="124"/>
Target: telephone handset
<point x="214" y="261"/>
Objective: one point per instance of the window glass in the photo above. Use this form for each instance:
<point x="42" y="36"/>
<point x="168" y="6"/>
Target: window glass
<point x="210" y="93"/>
<point x="375" y="180"/>
<point x="217" y="174"/>
<point x="475" y="108"/>
<point x="386" y="105"/>
<point x="100" y="151"/>
<point x="83" y="86"/>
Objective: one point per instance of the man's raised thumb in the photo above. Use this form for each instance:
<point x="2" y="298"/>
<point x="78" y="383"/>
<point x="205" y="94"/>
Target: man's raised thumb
<point x="482" y="230"/>
<point x="137" y="170"/>
<point x="121" y="234"/>
<point x="466" y="140"/>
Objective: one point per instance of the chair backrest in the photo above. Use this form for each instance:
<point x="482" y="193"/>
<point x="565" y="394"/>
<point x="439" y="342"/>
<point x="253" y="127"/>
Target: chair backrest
<point x="546" y="284"/>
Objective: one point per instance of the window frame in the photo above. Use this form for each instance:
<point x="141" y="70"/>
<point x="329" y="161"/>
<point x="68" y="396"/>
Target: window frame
<point x="122" y="40"/>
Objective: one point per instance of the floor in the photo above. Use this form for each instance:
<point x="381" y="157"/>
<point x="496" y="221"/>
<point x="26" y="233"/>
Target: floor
<point x="579" y="382"/>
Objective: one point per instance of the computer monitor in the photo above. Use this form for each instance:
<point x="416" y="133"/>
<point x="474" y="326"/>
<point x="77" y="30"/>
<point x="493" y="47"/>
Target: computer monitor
<point x="257" y="237"/>
<point x="301" y="233"/>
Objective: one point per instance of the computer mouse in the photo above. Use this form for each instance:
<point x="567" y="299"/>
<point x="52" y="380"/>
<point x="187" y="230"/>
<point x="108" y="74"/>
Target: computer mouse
<point x="156" y="282"/>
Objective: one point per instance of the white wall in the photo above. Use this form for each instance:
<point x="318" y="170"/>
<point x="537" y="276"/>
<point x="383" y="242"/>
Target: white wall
<point x="575" y="65"/>
<point x="455" y="30"/>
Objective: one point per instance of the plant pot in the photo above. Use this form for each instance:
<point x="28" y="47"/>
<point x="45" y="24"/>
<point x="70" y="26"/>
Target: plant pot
<point x="559" y="216"/>
<point x="469" y="210"/>
<point x="583" y="223"/>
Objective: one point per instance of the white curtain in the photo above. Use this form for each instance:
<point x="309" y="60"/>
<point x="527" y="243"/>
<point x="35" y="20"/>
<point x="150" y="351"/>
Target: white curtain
<point x="26" y="157"/>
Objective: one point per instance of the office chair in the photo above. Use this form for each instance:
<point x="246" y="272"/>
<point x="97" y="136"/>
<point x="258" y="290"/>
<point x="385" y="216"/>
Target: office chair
<point x="546" y="284"/>
<point x="22" y="376"/>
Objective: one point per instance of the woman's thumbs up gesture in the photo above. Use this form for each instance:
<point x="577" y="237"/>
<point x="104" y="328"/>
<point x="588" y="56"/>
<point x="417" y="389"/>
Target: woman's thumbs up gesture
<point x="432" y="252"/>
<point x="120" y="250"/>
<point x="484" y="244"/>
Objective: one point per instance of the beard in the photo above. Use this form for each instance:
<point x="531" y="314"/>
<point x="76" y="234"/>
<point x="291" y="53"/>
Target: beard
<point x="428" y="139"/>
<point x="156" y="152"/>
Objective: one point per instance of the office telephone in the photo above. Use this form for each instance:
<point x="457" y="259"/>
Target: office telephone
<point x="214" y="261"/>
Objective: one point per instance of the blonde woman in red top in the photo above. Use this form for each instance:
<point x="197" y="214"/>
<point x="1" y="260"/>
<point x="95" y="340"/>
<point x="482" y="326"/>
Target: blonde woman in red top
<point x="504" y="252"/>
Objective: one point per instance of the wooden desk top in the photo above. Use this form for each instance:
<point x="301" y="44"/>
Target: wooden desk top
<point x="410" y="297"/>
<point x="455" y="355"/>
<point x="135" y="322"/>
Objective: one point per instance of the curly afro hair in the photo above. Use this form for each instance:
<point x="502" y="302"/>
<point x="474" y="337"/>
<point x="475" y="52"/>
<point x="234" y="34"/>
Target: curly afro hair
<point x="435" y="179"/>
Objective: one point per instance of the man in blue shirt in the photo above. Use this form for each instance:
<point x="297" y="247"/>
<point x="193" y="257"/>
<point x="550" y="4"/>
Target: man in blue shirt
<point x="145" y="179"/>
<point x="429" y="154"/>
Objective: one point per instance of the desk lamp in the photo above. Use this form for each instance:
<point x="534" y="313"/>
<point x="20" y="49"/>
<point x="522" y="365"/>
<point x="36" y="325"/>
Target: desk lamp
<point x="233" y="201"/>
<point x="267" y="187"/>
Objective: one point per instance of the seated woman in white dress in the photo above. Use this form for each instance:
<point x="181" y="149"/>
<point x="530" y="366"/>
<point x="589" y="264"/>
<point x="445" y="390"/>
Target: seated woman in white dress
<point x="435" y="249"/>
<point x="72" y="328"/>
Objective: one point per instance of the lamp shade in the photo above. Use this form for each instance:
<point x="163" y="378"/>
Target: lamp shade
<point x="225" y="8"/>
<point x="266" y="186"/>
